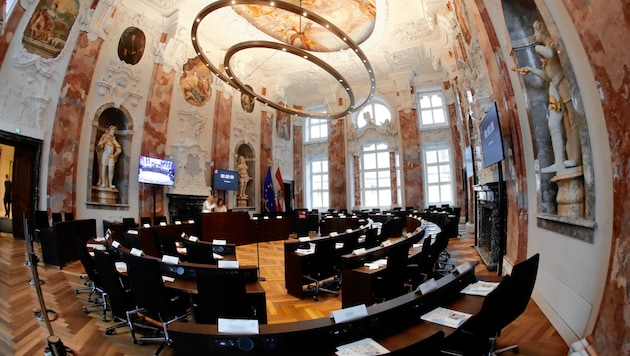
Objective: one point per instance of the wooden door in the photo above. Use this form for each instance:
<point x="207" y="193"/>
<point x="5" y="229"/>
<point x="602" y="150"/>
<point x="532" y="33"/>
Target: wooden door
<point x="23" y="186"/>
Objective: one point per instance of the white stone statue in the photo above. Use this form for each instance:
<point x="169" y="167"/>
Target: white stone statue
<point x="559" y="106"/>
<point x="107" y="150"/>
<point x="243" y="177"/>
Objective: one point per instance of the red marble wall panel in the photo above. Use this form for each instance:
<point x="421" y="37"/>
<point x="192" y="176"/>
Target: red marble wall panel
<point x="9" y="31"/>
<point x="393" y="178"/>
<point x="603" y="27"/>
<point x="155" y="128"/>
<point x="356" y="170"/>
<point x="266" y="146"/>
<point x="66" y="132"/>
<point x="337" y="164"/>
<point x="298" y="173"/>
<point x="411" y="160"/>
<point x="221" y="131"/>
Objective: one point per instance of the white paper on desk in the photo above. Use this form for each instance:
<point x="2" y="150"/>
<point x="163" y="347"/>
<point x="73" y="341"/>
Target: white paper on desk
<point x="304" y="239"/>
<point x="480" y="288"/>
<point x="182" y="250"/>
<point x="338" y="245"/>
<point x="359" y="251"/>
<point x="361" y="239"/>
<point x="347" y="314"/>
<point x="228" y="264"/>
<point x="409" y="234"/>
<point x="171" y="260"/>
<point x="136" y="252"/>
<point x="446" y="317"/>
<point x="219" y="242"/>
<point x="364" y="347"/>
<point x="146" y="226"/>
<point x="237" y="326"/>
<point x="349" y="230"/>
<point x="121" y="266"/>
<point x="168" y="279"/>
<point x="193" y="238"/>
<point x="99" y="247"/>
<point x="381" y="262"/>
<point x="371" y="265"/>
<point x="132" y="232"/>
<point x="91" y="253"/>
<point x="427" y="287"/>
<point x="191" y="221"/>
<point x="216" y="256"/>
<point x="177" y="222"/>
<point x="115" y="244"/>
<point x="416" y="245"/>
<point x="333" y="234"/>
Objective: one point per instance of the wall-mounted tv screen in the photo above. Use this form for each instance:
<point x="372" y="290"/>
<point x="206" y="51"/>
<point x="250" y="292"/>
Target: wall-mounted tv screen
<point x="470" y="167"/>
<point x="491" y="140"/>
<point x="224" y="180"/>
<point x="156" y="171"/>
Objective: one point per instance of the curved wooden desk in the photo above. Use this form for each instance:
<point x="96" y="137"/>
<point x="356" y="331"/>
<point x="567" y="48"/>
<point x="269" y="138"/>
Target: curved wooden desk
<point x="395" y="324"/>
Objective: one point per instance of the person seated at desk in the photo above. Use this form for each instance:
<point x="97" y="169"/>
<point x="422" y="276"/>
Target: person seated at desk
<point x="220" y="208"/>
<point x="208" y="204"/>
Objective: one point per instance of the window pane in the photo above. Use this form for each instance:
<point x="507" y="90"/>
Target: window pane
<point x="316" y="167"/>
<point x="434" y="194"/>
<point x="443" y="155"/>
<point x="369" y="180"/>
<point x="436" y="100"/>
<point x="384" y="198"/>
<point x="425" y="102"/>
<point x="381" y="113"/>
<point x="325" y="199"/>
<point x="317" y="199"/>
<point x="438" y="116"/>
<point x="445" y="190"/>
<point x="317" y="182"/>
<point x="431" y="157"/>
<point x="370" y="198"/>
<point x="427" y="117"/>
<point x="324" y="166"/>
<point x="383" y="160"/>
<point x="445" y="173"/>
<point x="432" y="175"/>
<point x="369" y="161"/>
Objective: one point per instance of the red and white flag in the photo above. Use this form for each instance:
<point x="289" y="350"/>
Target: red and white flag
<point x="278" y="188"/>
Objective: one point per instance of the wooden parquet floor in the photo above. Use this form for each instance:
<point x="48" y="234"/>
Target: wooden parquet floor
<point x="22" y="334"/>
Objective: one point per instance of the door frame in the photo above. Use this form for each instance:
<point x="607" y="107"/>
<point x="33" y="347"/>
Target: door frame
<point x="34" y="145"/>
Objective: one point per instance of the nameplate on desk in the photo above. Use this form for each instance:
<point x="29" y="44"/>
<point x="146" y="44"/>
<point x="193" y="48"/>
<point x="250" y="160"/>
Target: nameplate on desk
<point x="228" y="264"/>
<point x="168" y="279"/>
<point x="427" y="286"/>
<point x="162" y="223"/>
<point x="265" y="218"/>
<point x="146" y="226"/>
<point x="171" y="260"/>
<point x="191" y="221"/>
<point x="177" y="222"/>
<point x="136" y="252"/>
<point x="132" y="232"/>
<point x="359" y="251"/>
<point x="108" y="232"/>
<point x="279" y="217"/>
<point x="99" y="247"/>
<point x="193" y="238"/>
<point x="386" y="243"/>
<point x="349" y="230"/>
<point x="255" y="218"/>
<point x="463" y="268"/>
<point x="304" y="239"/>
<point x="115" y="244"/>
<point x="333" y="234"/>
<point x="347" y="314"/>
<point x="408" y="234"/>
<point x="237" y="326"/>
<point x="219" y="242"/>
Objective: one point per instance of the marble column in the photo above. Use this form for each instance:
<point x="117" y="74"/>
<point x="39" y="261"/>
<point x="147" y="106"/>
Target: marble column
<point x="155" y="129"/>
<point x="221" y="130"/>
<point x="411" y="162"/>
<point x="337" y="164"/>
<point x="298" y="173"/>
<point x="457" y="159"/>
<point x="393" y="178"/>
<point x="66" y="131"/>
<point x="356" y="170"/>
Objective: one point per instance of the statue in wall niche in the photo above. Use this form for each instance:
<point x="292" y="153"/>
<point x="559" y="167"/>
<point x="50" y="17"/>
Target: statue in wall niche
<point x="243" y="177"/>
<point x="560" y="107"/>
<point x="107" y="150"/>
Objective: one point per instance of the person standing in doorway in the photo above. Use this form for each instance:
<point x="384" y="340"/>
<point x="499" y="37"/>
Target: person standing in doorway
<point x="7" y="196"/>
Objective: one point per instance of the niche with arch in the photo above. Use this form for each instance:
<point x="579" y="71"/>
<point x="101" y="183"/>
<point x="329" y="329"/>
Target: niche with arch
<point x="99" y="193"/>
<point x="246" y="150"/>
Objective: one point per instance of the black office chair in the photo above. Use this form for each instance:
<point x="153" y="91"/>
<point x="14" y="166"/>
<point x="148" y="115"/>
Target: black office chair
<point x="426" y="347"/>
<point x="199" y="252"/>
<point x="220" y="294"/>
<point x="68" y="216"/>
<point x="392" y="283"/>
<point x="155" y="304"/>
<point x="129" y="224"/>
<point x="145" y="220"/>
<point x="322" y="265"/>
<point x="119" y="298"/>
<point x="56" y="217"/>
<point x="371" y="238"/>
<point x="502" y="306"/>
<point x="160" y="220"/>
<point x="95" y="282"/>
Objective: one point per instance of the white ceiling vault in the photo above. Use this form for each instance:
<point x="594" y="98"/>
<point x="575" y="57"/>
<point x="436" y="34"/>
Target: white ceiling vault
<point x="410" y="45"/>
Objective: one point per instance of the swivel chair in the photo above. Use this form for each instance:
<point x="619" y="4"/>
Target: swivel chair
<point x="118" y="297"/>
<point x="502" y="306"/>
<point x="199" y="252"/>
<point x="220" y="294"/>
<point x="321" y="265"/>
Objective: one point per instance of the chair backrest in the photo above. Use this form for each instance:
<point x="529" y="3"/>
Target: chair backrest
<point x="41" y="220"/>
<point x="145" y="220"/>
<point x="220" y="295"/>
<point x="371" y="238"/>
<point x="128" y="224"/>
<point x="119" y="299"/>
<point x="199" y="252"/>
<point x="80" y="246"/>
<point x="68" y="216"/>
<point x="523" y="280"/>
<point x="326" y="258"/>
<point x="395" y="276"/>
<point x="392" y="228"/>
<point x="160" y="219"/>
<point x="145" y="280"/>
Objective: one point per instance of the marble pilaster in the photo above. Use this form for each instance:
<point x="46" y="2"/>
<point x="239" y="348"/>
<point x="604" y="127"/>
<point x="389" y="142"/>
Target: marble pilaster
<point x="221" y="130"/>
<point x="411" y="162"/>
<point x="356" y="180"/>
<point x="298" y="174"/>
<point x="393" y="178"/>
<point x="457" y="159"/>
<point x="337" y="164"/>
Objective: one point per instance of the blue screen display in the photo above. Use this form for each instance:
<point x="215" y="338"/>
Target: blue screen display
<point x="224" y="180"/>
<point x="491" y="140"/>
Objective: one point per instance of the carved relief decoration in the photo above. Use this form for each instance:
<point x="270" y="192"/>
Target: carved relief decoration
<point x="189" y="175"/>
<point x="387" y="132"/>
<point x="119" y="85"/>
<point x="97" y="22"/>
<point x="191" y="128"/>
<point x="242" y="127"/>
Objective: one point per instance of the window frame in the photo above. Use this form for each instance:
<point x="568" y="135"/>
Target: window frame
<point x="362" y="174"/>
<point x="435" y="147"/>
<point x="309" y="123"/>
<point x="356" y="117"/>
<point x="430" y="92"/>
<point x="309" y="181"/>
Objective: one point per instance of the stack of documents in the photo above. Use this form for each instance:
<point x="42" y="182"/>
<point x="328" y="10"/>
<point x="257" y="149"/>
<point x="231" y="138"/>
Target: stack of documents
<point x="376" y="264"/>
<point x="364" y="347"/>
<point x="446" y="317"/>
<point x="480" y="288"/>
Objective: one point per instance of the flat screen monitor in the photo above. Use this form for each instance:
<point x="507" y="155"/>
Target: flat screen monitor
<point x="156" y="171"/>
<point x="470" y="167"/>
<point x="491" y="140"/>
<point x="224" y="180"/>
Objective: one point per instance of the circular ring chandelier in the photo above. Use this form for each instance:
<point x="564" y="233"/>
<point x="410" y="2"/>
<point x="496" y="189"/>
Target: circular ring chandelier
<point x="285" y="47"/>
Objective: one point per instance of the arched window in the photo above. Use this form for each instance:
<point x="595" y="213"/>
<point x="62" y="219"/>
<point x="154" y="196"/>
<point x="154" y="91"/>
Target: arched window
<point x="375" y="112"/>
<point x="379" y="169"/>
